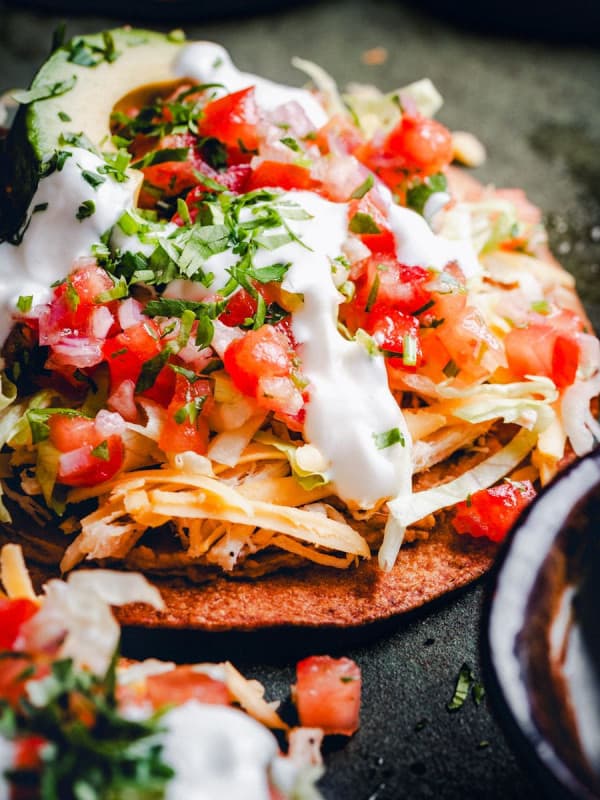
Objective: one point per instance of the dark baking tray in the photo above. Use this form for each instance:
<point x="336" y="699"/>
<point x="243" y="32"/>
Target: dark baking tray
<point x="536" y="106"/>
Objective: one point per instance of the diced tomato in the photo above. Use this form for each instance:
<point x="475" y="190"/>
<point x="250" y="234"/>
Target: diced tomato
<point x="232" y="119"/>
<point x="328" y="694"/>
<point x="185" y="427"/>
<point x="72" y="308"/>
<point x="27" y="753"/>
<point x="384" y="281"/>
<point x="127" y="353"/>
<point x="171" y="177"/>
<point x="492" y="512"/>
<point x="70" y="432"/>
<point x="472" y="346"/>
<point x="182" y="684"/>
<point x="261" y="365"/>
<point x="548" y="347"/>
<point x="423" y="143"/>
<point x="13" y="613"/>
<point x="390" y="329"/>
<point x="281" y="175"/>
<point x="381" y="242"/>
<point x="90" y="281"/>
<point x="240" y="307"/>
<point x="261" y="353"/>
<point x="87" y="457"/>
<point x="416" y="146"/>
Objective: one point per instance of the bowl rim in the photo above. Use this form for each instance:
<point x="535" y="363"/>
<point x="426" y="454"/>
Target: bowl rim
<point x="529" y="744"/>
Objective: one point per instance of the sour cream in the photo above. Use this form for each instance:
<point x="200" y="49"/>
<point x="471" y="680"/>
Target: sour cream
<point x="217" y="752"/>
<point x="207" y="62"/>
<point x="55" y="236"/>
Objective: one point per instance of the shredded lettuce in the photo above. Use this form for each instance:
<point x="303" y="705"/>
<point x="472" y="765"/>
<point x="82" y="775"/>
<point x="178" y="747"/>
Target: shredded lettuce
<point x="369" y="108"/>
<point x="405" y="510"/>
<point x="308" y="479"/>
<point x="330" y="97"/>
<point x="535" y="415"/>
<point x="487" y="223"/>
<point x="375" y="111"/>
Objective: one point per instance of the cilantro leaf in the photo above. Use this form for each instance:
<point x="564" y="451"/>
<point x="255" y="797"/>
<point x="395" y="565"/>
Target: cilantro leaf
<point x="389" y="438"/>
<point x="44" y="91"/>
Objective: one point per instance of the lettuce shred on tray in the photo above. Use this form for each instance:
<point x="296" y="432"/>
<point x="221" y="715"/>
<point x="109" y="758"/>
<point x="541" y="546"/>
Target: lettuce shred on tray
<point x="298" y="310"/>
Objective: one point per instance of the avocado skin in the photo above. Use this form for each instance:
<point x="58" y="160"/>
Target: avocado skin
<point x="26" y="154"/>
<point x="19" y="177"/>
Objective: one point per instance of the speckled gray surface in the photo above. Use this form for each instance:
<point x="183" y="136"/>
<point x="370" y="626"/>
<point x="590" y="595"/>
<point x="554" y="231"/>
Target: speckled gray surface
<point x="537" y="107"/>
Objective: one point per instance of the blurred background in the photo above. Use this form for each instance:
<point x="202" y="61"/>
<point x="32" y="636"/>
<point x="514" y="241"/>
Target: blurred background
<point x="524" y="77"/>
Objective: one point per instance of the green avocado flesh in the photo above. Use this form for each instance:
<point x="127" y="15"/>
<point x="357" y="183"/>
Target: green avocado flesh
<point x="85" y="94"/>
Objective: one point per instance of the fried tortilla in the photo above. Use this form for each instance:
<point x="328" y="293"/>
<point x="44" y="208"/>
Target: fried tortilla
<point x="280" y="357"/>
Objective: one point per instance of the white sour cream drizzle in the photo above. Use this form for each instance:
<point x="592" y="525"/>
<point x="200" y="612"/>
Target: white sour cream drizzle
<point x="207" y="62"/>
<point x="217" y="752"/>
<point x="55" y="237"/>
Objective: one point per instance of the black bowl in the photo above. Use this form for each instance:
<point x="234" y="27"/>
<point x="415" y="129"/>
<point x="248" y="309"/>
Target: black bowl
<point x="541" y="634"/>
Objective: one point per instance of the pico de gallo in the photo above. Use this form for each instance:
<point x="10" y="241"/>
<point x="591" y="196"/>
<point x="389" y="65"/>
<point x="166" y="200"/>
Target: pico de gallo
<point x="74" y="723"/>
<point x="293" y="324"/>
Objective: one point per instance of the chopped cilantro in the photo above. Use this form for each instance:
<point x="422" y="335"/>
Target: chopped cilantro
<point x="541" y="306"/>
<point x="420" y="192"/>
<point x="373" y="291"/>
<point x="290" y="142"/>
<point x="451" y="369"/>
<point x="389" y="438"/>
<point x="86" y="209"/>
<point x="364" y="187"/>
<point x="461" y="691"/>
<point x="190" y="411"/>
<point x="24" y="303"/>
<point x="101" y="451"/>
<point x="363" y="223"/>
<point x="92" y="178"/>
<point x="150" y="370"/>
<point x="120" y="757"/>
<point x="63" y="116"/>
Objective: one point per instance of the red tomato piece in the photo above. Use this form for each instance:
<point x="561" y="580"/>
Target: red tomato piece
<point x="69" y="432"/>
<point x="390" y="327"/>
<point x="423" y="143"/>
<point x="89" y="282"/>
<point x="261" y="353"/>
<point x="328" y="694"/>
<point x="13" y="613"/>
<point x="232" y="119"/>
<point x="87" y="457"/>
<point x="281" y="175"/>
<point x="182" y="684"/>
<point x="185" y="428"/>
<point x="387" y="282"/>
<point x="27" y="753"/>
<point x="240" y="307"/>
<point x="547" y="347"/>
<point x="492" y="512"/>
<point x="127" y="353"/>
<point x="90" y="465"/>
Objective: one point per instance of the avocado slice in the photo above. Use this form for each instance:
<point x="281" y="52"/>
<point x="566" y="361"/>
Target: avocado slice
<point x="75" y="92"/>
